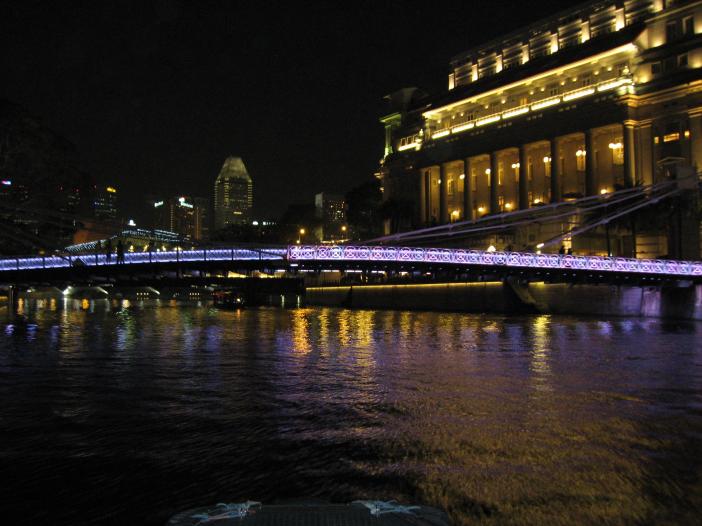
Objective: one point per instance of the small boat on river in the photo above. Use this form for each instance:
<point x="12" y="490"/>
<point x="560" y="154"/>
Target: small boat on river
<point x="228" y="299"/>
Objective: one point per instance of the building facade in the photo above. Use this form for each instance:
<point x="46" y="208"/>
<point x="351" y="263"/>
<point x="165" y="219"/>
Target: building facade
<point x="585" y="103"/>
<point x="233" y="194"/>
<point x="105" y="203"/>
<point x="331" y="210"/>
<point x="180" y="215"/>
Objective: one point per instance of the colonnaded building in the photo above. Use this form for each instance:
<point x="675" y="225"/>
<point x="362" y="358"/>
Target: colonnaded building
<point x="598" y="108"/>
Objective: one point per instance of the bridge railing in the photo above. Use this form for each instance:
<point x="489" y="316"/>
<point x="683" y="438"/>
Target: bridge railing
<point x="494" y="259"/>
<point x="351" y="253"/>
<point x="135" y="258"/>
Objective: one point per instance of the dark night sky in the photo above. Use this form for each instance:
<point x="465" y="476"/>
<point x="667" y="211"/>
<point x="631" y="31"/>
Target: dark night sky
<point x="156" y="94"/>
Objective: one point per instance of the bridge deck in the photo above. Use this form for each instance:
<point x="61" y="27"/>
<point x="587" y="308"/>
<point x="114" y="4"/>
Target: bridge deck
<point x="348" y="255"/>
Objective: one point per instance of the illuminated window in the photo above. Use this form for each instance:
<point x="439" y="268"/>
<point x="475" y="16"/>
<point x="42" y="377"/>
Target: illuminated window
<point x="670" y="137"/>
<point x="501" y="201"/>
<point x="656" y="68"/>
<point x="449" y="187"/>
<point x="682" y="61"/>
<point x="499" y="175"/>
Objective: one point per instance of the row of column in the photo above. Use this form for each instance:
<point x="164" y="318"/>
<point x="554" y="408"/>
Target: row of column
<point x="555" y="168"/>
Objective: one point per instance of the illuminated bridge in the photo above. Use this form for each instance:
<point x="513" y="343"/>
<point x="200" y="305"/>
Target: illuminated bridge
<point x="354" y="258"/>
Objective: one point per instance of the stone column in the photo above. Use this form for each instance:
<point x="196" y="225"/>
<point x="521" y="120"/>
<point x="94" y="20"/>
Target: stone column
<point x="422" y="197"/>
<point x="494" y="189"/>
<point x="427" y="192"/>
<point x="696" y="141"/>
<point x="443" y="195"/>
<point x="629" y="155"/>
<point x="467" y="192"/>
<point x="555" y="170"/>
<point x="523" y="179"/>
<point x="590" y="175"/>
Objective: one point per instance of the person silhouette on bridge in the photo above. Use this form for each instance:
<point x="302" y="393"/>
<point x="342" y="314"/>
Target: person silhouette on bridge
<point x="120" y="252"/>
<point x="108" y="250"/>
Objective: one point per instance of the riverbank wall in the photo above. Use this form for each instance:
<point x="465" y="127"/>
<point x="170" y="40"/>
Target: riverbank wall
<point x="512" y="297"/>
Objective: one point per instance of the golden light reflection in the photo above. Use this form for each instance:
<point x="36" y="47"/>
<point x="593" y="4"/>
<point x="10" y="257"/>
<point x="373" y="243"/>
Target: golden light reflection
<point x="84" y="304"/>
<point x="541" y="342"/>
<point x="300" y="331"/>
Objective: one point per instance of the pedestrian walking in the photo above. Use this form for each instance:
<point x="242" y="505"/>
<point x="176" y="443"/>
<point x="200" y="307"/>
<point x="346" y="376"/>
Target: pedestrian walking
<point x="120" y="252"/>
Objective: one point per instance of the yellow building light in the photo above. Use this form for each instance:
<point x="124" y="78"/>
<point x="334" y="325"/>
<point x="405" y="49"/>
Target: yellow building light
<point x="487" y="120"/>
<point x="626" y="48"/>
<point x="615" y="145"/>
<point x="462" y="176"/>
<point x="515" y="165"/>
<point x="481" y="209"/>
<point x="462" y="127"/>
<point x="111" y="189"/>
<point x="514" y="113"/>
<point x="547" y="159"/>
<point x="578" y="94"/>
<point x="670" y="137"/>
<point x="455" y="213"/>
<point x="604" y="191"/>
<point x="410" y="146"/>
<point x="440" y="134"/>
<point x="687" y="134"/>
<point x="491" y="248"/>
<point x="613" y="84"/>
<point x="540" y="245"/>
<point x="508" y="206"/>
<point x="580" y="153"/>
<point x="537" y="201"/>
<point x="487" y="171"/>
<point x="545" y="103"/>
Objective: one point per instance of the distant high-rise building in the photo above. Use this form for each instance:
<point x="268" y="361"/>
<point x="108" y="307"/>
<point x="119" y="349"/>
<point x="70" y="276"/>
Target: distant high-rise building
<point x="181" y="215"/>
<point x="203" y="205"/>
<point x="233" y="194"/>
<point x="105" y="203"/>
<point x="331" y="209"/>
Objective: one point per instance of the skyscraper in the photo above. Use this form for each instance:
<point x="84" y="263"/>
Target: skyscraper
<point x="233" y="194"/>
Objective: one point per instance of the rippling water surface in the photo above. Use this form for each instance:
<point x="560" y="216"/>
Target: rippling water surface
<point x="125" y="414"/>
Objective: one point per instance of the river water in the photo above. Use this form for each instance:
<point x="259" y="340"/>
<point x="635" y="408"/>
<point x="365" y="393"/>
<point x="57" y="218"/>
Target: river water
<point x="119" y="413"/>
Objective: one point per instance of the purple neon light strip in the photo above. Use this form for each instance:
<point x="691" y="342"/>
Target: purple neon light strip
<point x="506" y="259"/>
<point x="136" y="258"/>
<point x="379" y="254"/>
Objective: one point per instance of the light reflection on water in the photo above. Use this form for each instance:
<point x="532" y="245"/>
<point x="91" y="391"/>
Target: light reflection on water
<point x="125" y="413"/>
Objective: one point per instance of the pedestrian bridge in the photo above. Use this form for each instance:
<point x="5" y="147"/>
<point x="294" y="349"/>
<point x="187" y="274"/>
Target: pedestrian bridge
<point x="353" y="257"/>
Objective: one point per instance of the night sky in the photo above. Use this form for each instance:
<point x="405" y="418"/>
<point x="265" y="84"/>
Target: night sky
<point x="156" y="94"/>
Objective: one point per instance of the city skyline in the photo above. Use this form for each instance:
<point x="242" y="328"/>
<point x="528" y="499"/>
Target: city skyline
<point x="130" y="77"/>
